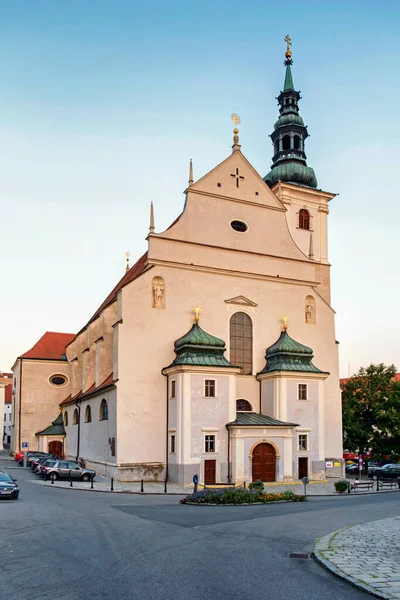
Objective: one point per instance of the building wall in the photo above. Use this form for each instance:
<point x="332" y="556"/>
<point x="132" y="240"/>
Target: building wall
<point x="36" y="399"/>
<point x="7" y="423"/>
<point x="95" y="437"/>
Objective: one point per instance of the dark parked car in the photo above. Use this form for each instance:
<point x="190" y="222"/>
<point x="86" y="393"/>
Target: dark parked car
<point x="39" y="460"/>
<point x="352" y="469"/>
<point x="8" y="486"/>
<point x="62" y="469"/>
<point x="391" y="471"/>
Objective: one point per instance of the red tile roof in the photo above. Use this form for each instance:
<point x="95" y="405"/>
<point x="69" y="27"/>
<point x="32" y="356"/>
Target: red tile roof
<point x="8" y="394"/>
<point x="50" y="346"/>
<point x="92" y="390"/>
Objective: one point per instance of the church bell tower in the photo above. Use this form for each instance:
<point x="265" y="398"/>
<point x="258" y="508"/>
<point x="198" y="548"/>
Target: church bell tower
<point x="292" y="180"/>
<point x="289" y="136"/>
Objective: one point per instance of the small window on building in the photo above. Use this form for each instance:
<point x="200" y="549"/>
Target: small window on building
<point x="76" y="417"/>
<point x="218" y="185"/>
<point x="302" y="391"/>
<point x="303" y="442"/>
<point x="58" y="380"/>
<point x="209" y="388"/>
<point x="65" y="418"/>
<point x="304" y="219"/>
<point x="173" y="388"/>
<point x="243" y="406"/>
<point x="103" y="410"/>
<point x="209" y="441"/>
<point x="239" y="226"/>
<point x="172" y="444"/>
<point x="88" y="414"/>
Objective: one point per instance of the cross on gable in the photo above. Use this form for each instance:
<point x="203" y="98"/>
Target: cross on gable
<point x="237" y="176"/>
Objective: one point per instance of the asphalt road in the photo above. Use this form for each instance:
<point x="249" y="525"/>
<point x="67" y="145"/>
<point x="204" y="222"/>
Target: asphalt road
<point x="74" y="545"/>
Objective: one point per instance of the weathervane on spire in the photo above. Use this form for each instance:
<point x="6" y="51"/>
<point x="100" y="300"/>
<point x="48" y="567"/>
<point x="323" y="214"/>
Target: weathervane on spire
<point x="288" y="52"/>
<point x="236" y="120"/>
<point x="196" y="311"/>
<point x="285" y="320"/>
<point x="127" y="257"/>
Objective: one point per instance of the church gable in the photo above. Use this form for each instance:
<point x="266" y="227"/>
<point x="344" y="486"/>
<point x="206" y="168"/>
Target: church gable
<point x="242" y="300"/>
<point x="236" y="178"/>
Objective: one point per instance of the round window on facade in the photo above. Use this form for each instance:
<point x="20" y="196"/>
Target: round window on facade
<point x="58" y="380"/>
<point x="239" y="226"/>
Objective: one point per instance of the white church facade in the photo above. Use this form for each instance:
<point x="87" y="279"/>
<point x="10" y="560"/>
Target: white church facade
<point x="215" y="354"/>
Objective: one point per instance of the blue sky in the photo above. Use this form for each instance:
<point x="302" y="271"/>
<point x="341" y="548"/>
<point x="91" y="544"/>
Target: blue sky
<point x="103" y="103"/>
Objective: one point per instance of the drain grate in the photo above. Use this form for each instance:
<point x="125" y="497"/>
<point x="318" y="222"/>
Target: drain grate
<point x="299" y="555"/>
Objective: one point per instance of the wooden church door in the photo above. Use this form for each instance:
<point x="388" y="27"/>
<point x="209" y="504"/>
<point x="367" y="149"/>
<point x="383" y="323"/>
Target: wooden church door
<point x="209" y="472"/>
<point x="263" y="465"/>
<point x="56" y="448"/>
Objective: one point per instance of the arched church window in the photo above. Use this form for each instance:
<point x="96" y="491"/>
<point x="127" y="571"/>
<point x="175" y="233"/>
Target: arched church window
<point x="75" y="417"/>
<point x="296" y="142"/>
<point x="66" y="418"/>
<point x="243" y="406"/>
<point x="103" y="410"/>
<point x="286" y="142"/>
<point x="88" y="414"/>
<point x="241" y="342"/>
<point x="304" y="219"/>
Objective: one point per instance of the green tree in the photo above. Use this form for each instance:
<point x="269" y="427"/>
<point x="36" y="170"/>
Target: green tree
<point x="371" y="411"/>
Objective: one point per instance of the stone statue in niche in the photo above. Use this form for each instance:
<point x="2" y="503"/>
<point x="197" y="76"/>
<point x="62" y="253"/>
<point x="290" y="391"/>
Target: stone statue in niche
<point x="158" y="292"/>
<point x="310" y="310"/>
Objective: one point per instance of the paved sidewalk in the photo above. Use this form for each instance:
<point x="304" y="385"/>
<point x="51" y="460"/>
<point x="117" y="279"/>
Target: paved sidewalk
<point x="103" y="484"/>
<point x="367" y="556"/>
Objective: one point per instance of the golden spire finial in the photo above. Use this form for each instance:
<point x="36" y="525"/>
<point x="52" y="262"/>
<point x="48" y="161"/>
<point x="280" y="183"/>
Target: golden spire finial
<point x="196" y="311"/>
<point x="285" y="320"/>
<point x="127" y="257"/>
<point x="288" y="41"/>
<point x="236" y="119"/>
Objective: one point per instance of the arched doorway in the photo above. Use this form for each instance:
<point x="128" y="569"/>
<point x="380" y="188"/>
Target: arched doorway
<point x="56" y="448"/>
<point x="263" y="464"/>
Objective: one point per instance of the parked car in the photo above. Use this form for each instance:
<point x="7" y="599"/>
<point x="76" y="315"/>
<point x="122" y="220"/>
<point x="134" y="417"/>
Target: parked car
<point x="19" y="454"/>
<point x="390" y="471"/>
<point x="61" y="469"/>
<point x="29" y="455"/>
<point x="352" y="469"/>
<point x="8" y="486"/>
<point x="39" y="460"/>
<point x="43" y="467"/>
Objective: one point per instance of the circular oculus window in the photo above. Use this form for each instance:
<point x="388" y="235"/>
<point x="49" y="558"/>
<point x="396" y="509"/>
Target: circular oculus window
<point x="58" y="380"/>
<point x="239" y="226"/>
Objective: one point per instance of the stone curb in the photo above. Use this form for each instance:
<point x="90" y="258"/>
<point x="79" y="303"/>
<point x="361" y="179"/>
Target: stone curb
<point x="131" y="492"/>
<point x="318" y="556"/>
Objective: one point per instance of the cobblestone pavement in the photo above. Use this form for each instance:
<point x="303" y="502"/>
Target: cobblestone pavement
<point x="366" y="555"/>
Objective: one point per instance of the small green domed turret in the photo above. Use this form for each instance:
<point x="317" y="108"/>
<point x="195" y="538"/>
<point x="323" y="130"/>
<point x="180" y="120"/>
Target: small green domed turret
<point x="289" y="135"/>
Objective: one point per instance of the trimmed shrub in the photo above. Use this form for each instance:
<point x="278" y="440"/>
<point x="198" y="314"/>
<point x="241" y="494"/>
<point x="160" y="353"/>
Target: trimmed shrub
<point x="239" y="496"/>
<point x="341" y="486"/>
<point x="256" y="485"/>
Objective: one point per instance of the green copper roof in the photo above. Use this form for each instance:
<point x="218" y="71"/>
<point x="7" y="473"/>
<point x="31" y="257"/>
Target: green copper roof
<point x="292" y="172"/>
<point x="289" y="161"/>
<point x="289" y="119"/>
<point x="199" y="348"/>
<point x="288" y="85"/>
<point x="56" y="428"/>
<point x="249" y="419"/>
<point x="288" y="355"/>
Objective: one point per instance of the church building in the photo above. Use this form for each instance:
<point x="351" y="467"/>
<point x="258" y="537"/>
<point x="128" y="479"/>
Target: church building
<point x="215" y="354"/>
